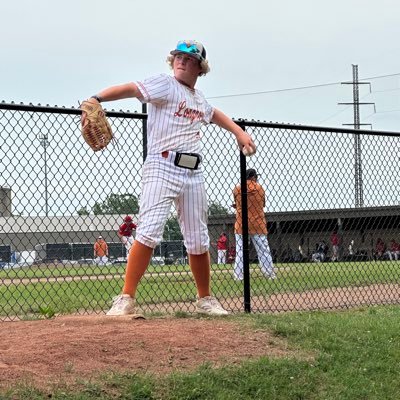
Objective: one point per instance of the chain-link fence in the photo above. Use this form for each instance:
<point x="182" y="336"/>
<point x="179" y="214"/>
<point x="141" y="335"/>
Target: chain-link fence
<point x="331" y="202"/>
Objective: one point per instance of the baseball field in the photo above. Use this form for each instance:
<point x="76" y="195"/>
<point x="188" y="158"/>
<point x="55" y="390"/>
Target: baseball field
<point x="41" y="291"/>
<point x="348" y="354"/>
<point x="62" y="346"/>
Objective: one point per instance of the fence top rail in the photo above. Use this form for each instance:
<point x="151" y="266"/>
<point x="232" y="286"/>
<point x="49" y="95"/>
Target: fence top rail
<point x="64" y="110"/>
<point x="296" y="127"/>
<point x="242" y="122"/>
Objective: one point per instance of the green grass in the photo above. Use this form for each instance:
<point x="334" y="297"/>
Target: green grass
<point x="29" y="299"/>
<point x="351" y="355"/>
<point x="60" y="270"/>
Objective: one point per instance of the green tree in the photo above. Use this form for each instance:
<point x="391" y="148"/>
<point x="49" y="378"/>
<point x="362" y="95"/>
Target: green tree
<point x="216" y="209"/>
<point x="83" y="211"/>
<point x="117" y="204"/>
<point x="172" y="231"/>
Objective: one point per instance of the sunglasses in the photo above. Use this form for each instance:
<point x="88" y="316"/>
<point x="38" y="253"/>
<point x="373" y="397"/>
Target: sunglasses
<point x="188" y="47"/>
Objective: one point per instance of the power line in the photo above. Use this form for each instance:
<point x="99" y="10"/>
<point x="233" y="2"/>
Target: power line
<point x="380" y="76"/>
<point x="274" y="91"/>
<point x="296" y="88"/>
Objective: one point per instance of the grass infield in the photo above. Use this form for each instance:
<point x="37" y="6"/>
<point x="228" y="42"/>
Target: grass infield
<point x="45" y="290"/>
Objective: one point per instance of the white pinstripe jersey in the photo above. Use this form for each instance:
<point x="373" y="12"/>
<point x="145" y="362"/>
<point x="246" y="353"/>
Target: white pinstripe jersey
<point x="175" y="115"/>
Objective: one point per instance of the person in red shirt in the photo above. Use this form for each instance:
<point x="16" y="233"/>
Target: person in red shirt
<point x="222" y="247"/>
<point x="380" y="249"/>
<point x="335" y="241"/>
<point x="125" y="232"/>
<point x="394" y="251"/>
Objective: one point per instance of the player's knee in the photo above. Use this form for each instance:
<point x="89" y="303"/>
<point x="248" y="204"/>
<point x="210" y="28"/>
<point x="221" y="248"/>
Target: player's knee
<point x="148" y="240"/>
<point x="196" y="248"/>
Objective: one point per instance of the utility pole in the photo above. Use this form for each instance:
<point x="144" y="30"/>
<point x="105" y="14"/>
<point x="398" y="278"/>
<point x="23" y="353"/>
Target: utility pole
<point x="358" y="183"/>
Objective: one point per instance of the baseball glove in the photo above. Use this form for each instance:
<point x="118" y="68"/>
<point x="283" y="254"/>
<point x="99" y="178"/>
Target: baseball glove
<point x="95" y="128"/>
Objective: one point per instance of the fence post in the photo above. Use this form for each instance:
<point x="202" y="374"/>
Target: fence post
<point x="245" y="233"/>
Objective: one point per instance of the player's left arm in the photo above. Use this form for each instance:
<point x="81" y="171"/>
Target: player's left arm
<point x="242" y="137"/>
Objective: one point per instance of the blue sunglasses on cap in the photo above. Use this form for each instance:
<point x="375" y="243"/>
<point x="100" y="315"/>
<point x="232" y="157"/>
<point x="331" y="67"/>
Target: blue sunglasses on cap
<point x="191" y="47"/>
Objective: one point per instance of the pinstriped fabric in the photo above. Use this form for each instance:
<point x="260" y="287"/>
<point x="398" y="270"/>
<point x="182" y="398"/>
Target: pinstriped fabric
<point x="164" y="184"/>
<point x="176" y="114"/>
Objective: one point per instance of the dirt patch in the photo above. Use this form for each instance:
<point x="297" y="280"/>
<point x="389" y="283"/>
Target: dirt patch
<point x="63" y="349"/>
<point x="48" y="352"/>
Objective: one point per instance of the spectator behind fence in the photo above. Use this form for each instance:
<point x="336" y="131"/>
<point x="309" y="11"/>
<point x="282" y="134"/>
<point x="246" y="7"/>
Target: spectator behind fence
<point x="394" y="250"/>
<point x="351" y="248"/>
<point x="125" y="233"/>
<point x="321" y="249"/>
<point x="100" y="251"/>
<point x="257" y="226"/>
<point x="335" y="242"/>
<point x="380" y="249"/>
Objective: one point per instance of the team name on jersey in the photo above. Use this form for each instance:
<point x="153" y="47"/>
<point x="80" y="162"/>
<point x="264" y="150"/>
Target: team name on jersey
<point x="186" y="112"/>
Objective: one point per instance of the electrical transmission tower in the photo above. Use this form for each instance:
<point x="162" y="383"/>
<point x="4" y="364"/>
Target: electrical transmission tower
<point x="358" y="182"/>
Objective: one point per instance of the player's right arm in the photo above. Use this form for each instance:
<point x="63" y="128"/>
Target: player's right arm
<point x="242" y="137"/>
<point x="119" y="92"/>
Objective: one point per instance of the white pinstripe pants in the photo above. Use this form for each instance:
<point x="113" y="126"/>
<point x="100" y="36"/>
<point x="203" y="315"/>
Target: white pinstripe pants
<point x="163" y="183"/>
<point x="263" y="252"/>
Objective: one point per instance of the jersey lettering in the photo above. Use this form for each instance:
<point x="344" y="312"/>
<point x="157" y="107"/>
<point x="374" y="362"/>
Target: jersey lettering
<point x="188" y="113"/>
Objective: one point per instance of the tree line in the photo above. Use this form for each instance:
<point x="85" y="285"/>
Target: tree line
<point x="129" y="204"/>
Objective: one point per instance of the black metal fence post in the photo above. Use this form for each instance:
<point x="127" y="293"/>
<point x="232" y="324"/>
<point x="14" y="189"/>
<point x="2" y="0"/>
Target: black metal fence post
<point x="245" y="234"/>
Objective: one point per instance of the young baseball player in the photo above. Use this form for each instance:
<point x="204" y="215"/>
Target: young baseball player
<point x="257" y="226"/>
<point x="172" y="172"/>
<point x="125" y="232"/>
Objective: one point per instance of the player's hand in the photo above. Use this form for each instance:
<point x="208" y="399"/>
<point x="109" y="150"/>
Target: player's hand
<point x="246" y="144"/>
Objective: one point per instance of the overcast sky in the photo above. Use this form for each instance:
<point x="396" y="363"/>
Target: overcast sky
<point x="60" y="52"/>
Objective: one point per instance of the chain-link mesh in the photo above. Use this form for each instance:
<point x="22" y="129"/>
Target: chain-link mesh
<point x="331" y="205"/>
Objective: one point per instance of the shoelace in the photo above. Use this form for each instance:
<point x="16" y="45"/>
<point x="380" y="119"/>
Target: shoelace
<point x="214" y="303"/>
<point x="117" y="300"/>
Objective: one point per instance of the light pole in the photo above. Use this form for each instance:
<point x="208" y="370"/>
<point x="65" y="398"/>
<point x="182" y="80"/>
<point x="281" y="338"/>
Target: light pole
<point x="44" y="141"/>
<point x="168" y="232"/>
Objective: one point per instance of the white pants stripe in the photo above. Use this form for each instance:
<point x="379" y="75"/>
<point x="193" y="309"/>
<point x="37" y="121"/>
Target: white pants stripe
<point x="163" y="184"/>
<point x="263" y="252"/>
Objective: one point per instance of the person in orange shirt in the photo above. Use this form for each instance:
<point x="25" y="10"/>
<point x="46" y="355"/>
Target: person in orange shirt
<point x="257" y="226"/>
<point x="100" y="251"/>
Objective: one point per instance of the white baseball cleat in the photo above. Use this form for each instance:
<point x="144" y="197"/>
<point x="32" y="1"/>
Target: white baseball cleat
<point x="210" y="305"/>
<point x="122" y="305"/>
